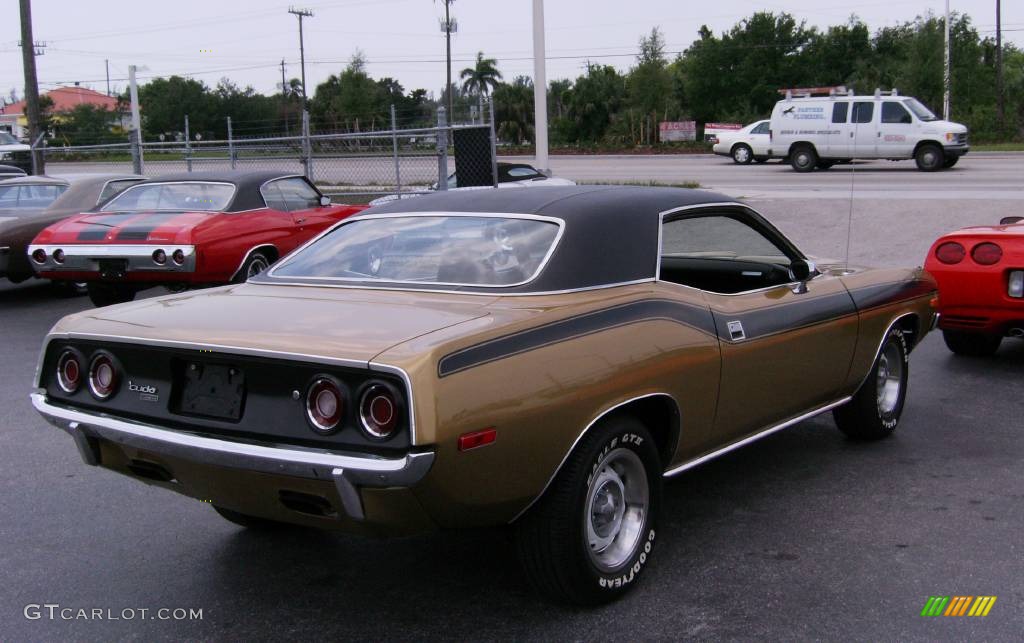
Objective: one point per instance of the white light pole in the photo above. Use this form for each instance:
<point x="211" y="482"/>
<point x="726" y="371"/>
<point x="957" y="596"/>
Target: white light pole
<point x="540" y="88"/>
<point x="945" y="75"/>
<point x="136" y="147"/>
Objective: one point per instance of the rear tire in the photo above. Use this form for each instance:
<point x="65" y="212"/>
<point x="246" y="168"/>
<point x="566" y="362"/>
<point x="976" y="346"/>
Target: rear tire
<point x="803" y="158"/>
<point x="589" y="537"/>
<point x="256" y="263"/>
<point x="742" y="154"/>
<point x="929" y="158"/>
<point x="971" y="344"/>
<point x="247" y="521"/>
<point x="101" y="294"/>
<point x="875" y="409"/>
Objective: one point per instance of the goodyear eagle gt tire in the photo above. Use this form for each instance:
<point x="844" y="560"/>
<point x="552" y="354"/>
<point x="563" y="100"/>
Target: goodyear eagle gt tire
<point x="589" y="538"/>
<point x="875" y="409"/>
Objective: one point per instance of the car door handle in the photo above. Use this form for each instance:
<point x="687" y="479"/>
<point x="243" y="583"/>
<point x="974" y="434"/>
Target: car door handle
<point x="303" y="219"/>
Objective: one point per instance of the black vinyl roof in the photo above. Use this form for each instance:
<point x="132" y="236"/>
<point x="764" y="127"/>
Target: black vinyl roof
<point x="610" y="236"/>
<point x="247" y="195"/>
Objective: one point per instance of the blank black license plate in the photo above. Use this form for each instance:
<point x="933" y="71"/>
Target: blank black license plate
<point x="213" y="390"/>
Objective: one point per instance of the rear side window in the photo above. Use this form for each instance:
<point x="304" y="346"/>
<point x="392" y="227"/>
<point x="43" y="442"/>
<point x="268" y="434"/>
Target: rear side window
<point x="297" y="194"/>
<point x="113" y="188"/>
<point x="761" y="129"/>
<point x="863" y="112"/>
<point x="839" y="111"/>
<point x="895" y="113"/>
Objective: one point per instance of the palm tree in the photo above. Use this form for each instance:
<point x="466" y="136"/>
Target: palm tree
<point x="483" y="77"/>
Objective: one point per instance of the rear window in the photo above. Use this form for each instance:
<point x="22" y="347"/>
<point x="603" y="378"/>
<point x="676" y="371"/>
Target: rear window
<point x="29" y="196"/>
<point x="442" y="250"/>
<point x="187" y="196"/>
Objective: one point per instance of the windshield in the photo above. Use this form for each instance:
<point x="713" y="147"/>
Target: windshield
<point x="7" y="139"/>
<point x="920" y="110"/>
<point x="446" y="250"/>
<point x="196" y="196"/>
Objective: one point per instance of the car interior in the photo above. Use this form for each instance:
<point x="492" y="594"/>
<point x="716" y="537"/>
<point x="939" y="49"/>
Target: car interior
<point x="719" y="253"/>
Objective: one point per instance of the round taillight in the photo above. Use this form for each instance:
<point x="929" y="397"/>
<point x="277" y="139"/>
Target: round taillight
<point x="987" y="253"/>
<point x="39" y="256"/>
<point x="159" y="257"/>
<point x="69" y="372"/>
<point x="378" y="411"/>
<point x="58" y="255"/>
<point x="325" y="405"/>
<point x="102" y="377"/>
<point x="950" y="252"/>
<point x="178" y="256"/>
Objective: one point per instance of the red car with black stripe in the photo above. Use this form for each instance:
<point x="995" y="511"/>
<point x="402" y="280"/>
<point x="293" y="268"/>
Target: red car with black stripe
<point x="189" y="230"/>
<point x="980" y="271"/>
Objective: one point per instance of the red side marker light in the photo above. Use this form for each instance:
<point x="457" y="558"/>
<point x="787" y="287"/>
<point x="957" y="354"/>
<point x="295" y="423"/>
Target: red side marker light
<point x="477" y="439"/>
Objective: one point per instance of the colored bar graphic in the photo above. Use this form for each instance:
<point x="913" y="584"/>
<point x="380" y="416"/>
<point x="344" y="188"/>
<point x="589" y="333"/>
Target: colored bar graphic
<point x="958" y="606"/>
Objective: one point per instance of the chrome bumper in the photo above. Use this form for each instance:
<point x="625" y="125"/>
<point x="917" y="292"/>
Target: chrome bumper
<point x="86" y="258"/>
<point x="346" y="470"/>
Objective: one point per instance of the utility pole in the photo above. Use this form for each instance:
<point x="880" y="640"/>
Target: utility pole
<point x="540" y="88"/>
<point x="28" y="58"/>
<point x="1000" y="99"/>
<point x="945" y="74"/>
<point x="449" y="26"/>
<point x="136" y="136"/>
<point x="107" y="62"/>
<point x="301" y="13"/>
<point x="284" y="97"/>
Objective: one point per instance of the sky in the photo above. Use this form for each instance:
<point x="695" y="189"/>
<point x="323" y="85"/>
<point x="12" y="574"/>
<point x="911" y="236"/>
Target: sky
<point x="245" y="40"/>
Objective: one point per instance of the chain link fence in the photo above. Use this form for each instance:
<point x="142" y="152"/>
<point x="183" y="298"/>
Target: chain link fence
<point x="360" y="164"/>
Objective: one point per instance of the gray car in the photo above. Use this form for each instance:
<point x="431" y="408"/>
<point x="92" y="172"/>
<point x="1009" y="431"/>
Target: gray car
<point x="30" y="204"/>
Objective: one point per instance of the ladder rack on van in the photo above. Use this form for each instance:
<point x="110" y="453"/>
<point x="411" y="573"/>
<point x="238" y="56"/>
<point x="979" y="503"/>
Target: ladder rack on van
<point x="881" y="92"/>
<point x="808" y="92"/>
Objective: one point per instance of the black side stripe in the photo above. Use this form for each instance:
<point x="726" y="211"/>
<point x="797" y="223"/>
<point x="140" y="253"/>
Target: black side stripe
<point x="884" y="294"/>
<point x="787" y="316"/>
<point x="688" y="315"/>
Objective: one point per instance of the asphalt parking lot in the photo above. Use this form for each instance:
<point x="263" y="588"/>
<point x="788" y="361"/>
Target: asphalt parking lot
<point x="802" y="535"/>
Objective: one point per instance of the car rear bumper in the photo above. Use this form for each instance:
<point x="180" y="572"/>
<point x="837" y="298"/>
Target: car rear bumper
<point x="228" y="472"/>
<point x="123" y="258"/>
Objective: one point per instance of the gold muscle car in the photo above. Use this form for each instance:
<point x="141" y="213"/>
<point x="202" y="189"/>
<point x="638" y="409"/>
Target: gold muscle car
<point x="536" y="358"/>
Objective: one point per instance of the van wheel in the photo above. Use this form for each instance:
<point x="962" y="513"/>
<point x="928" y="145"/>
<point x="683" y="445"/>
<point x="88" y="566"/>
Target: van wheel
<point x="588" y="539"/>
<point x="929" y="158"/>
<point x="742" y="154"/>
<point x="950" y="161"/>
<point x="803" y="159"/>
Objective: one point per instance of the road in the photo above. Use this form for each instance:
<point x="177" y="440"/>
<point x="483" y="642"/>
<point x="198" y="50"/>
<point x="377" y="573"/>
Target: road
<point x="803" y="535"/>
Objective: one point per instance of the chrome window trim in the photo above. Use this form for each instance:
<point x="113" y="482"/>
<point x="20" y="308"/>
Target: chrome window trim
<point x="103" y="188"/>
<point x="281" y="178"/>
<point x="414" y="215"/>
<point x="239" y="350"/>
<point x="690" y="464"/>
<point x="672" y="211"/>
<point x="579" y="437"/>
<point x="281" y="282"/>
<point x="234" y="193"/>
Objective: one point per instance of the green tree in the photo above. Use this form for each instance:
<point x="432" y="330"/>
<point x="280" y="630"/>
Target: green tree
<point x="86" y="125"/>
<point x="650" y="90"/>
<point x="482" y="77"/>
<point x="164" y="102"/>
<point x="513" y="106"/>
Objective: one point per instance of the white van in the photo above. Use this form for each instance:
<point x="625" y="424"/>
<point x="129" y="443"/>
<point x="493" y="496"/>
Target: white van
<point x="817" y="132"/>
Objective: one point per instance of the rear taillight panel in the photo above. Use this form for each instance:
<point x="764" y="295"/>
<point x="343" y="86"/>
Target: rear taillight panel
<point x="987" y="253"/>
<point x="282" y="401"/>
<point x="950" y="253"/>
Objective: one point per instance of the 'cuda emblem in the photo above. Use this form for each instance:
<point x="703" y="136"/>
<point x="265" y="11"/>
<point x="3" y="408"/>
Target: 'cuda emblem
<point x="146" y="393"/>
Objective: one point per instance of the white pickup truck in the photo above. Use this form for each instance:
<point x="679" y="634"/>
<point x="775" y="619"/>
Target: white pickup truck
<point x="816" y="132"/>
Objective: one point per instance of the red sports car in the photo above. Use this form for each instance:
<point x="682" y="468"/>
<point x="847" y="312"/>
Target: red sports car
<point x="195" y="229"/>
<point x="980" y="271"/>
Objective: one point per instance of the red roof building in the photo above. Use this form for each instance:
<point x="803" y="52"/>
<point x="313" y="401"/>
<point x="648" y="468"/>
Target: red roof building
<point x="65" y="99"/>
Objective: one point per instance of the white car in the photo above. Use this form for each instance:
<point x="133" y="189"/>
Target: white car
<point x="510" y="175"/>
<point x="817" y="132"/>
<point x="748" y="144"/>
<point x="10" y="148"/>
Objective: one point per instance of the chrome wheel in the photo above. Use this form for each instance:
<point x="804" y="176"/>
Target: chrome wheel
<point x="616" y="509"/>
<point x="256" y="266"/>
<point x="890" y="378"/>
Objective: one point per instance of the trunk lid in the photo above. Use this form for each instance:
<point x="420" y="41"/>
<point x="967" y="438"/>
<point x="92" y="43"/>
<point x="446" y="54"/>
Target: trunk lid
<point x="125" y="227"/>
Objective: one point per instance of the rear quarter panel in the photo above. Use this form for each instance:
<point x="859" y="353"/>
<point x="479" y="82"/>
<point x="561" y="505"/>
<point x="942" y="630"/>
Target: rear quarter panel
<point x="542" y="399"/>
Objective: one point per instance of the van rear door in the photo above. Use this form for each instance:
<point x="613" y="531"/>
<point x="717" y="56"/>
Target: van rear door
<point x="864" y="129"/>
